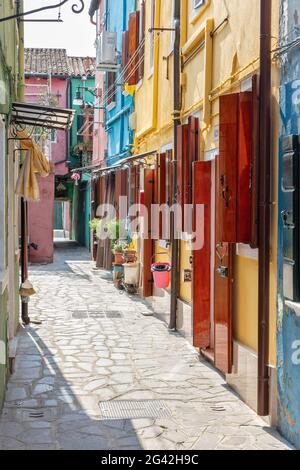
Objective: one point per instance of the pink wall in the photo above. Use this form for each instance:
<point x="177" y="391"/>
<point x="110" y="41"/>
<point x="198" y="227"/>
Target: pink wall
<point x="100" y="138"/>
<point x="41" y="221"/>
<point x="41" y="214"/>
<point x="35" y="86"/>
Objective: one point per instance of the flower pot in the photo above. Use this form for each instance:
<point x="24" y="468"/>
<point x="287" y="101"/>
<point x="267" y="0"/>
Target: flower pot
<point x="161" y="275"/>
<point x="118" y="258"/>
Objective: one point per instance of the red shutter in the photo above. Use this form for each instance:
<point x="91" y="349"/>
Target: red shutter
<point x="194" y="146"/>
<point x="227" y="165"/>
<point x="234" y="184"/>
<point x="134" y="19"/>
<point x="111" y="87"/>
<point x="223" y="297"/>
<point x="148" y="242"/>
<point x="125" y="44"/>
<point x="182" y="166"/>
<point x="142" y="38"/>
<point x="244" y="169"/>
<point x="254" y="163"/>
<point x="162" y="192"/>
<point x="201" y="258"/>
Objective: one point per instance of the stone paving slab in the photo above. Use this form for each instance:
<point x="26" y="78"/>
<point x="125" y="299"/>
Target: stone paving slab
<point x="66" y="365"/>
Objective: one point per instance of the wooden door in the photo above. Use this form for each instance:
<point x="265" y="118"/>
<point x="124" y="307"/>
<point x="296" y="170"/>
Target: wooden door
<point x="222" y="293"/>
<point x="201" y="290"/>
<point x="149" y="186"/>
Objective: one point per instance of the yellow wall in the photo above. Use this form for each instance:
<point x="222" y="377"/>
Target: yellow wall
<point x="219" y="66"/>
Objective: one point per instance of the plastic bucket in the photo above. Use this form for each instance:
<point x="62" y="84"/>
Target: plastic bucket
<point x="161" y="274"/>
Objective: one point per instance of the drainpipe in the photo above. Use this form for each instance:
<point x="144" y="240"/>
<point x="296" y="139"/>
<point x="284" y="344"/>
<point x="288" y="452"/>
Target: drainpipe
<point x="176" y="118"/>
<point x="264" y="207"/>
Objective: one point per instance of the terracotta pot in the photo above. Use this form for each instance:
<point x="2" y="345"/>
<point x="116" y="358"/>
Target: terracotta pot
<point x="118" y="258"/>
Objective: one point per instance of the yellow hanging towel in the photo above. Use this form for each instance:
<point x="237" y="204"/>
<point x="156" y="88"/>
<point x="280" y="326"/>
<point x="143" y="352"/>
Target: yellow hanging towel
<point x="35" y="163"/>
<point x="130" y="89"/>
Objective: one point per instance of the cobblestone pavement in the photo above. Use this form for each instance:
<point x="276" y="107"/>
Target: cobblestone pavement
<point x="97" y="345"/>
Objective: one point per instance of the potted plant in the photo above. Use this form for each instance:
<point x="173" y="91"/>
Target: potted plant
<point x="94" y="224"/>
<point x="118" y="249"/>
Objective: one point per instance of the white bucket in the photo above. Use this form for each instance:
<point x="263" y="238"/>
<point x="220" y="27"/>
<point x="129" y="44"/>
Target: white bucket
<point x="131" y="273"/>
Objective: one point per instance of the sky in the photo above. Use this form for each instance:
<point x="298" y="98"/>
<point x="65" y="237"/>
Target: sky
<point x="76" y="33"/>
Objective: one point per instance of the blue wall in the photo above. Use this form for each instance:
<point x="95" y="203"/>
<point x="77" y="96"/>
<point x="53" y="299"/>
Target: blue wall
<point x="288" y="324"/>
<point x="120" y="137"/>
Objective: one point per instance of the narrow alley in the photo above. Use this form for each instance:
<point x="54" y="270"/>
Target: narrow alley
<point x="98" y="370"/>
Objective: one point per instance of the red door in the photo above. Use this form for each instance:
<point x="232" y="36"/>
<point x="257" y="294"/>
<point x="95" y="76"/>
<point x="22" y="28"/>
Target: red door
<point x="223" y="292"/>
<point x="149" y="186"/>
<point x="201" y="258"/>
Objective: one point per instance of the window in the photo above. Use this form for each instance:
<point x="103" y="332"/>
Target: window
<point x="53" y="136"/>
<point x="199" y="3"/>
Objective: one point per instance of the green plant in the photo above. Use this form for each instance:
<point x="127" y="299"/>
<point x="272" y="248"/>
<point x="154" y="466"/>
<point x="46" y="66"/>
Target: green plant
<point x="94" y="224"/>
<point x="114" y="228"/>
<point x="119" y="246"/>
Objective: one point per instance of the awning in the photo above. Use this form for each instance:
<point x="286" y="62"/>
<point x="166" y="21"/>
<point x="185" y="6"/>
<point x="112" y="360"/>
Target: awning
<point x="99" y="169"/>
<point x="42" y="116"/>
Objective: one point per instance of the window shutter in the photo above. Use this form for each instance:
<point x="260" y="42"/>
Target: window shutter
<point x="125" y="43"/>
<point x="227" y="169"/>
<point x="201" y="290"/>
<point x="148" y="242"/>
<point x="193" y="155"/>
<point x="254" y="165"/>
<point x="111" y="87"/>
<point x="244" y="168"/>
<point x="234" y="166"/>
<point x="133" y="43"/>
<point x="162" y="193"/>
<point x="142" y="38"/>
<point x="182" y="166"/>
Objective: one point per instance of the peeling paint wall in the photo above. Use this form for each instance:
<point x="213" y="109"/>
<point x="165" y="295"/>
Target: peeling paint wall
<point x="288" y="323"/>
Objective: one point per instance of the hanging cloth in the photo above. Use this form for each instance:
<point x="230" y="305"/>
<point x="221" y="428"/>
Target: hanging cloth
<point x="35" y="163"/>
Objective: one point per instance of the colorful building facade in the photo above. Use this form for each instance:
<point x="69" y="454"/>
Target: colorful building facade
<point x="54" y="78"/>
<point x="288" y="324"/>
<point x="217" y="290"/>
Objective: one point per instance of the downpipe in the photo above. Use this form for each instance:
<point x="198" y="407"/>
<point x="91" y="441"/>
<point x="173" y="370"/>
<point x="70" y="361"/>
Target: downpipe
<point x="176" y="117"/>
<point x="264" y="209"/>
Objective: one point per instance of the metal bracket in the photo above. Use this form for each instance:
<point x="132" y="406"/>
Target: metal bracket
<point x="161" y="29"/>
<point x="75" y="8"/>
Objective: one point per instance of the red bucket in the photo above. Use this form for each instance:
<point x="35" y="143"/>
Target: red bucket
<point x="161" y="274"/>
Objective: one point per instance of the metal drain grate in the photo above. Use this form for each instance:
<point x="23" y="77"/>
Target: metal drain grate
<point x="134" y="409"/>
<point x="78" y="314"/>
<point x="96" y="314"/>
<point x="113" y="314"/>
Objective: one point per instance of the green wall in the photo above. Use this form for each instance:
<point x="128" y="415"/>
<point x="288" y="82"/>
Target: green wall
<point x="88" y="97"/>
<point x="9" y="88"/>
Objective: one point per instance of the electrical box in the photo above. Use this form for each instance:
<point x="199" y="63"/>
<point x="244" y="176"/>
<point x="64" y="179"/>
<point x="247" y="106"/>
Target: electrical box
<point x="107" y="57"/>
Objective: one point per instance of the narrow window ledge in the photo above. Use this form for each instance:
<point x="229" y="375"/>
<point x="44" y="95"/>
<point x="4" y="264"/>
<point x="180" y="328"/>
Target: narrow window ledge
<point x="3" y="281"/>
<point x="295" y="306"/>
